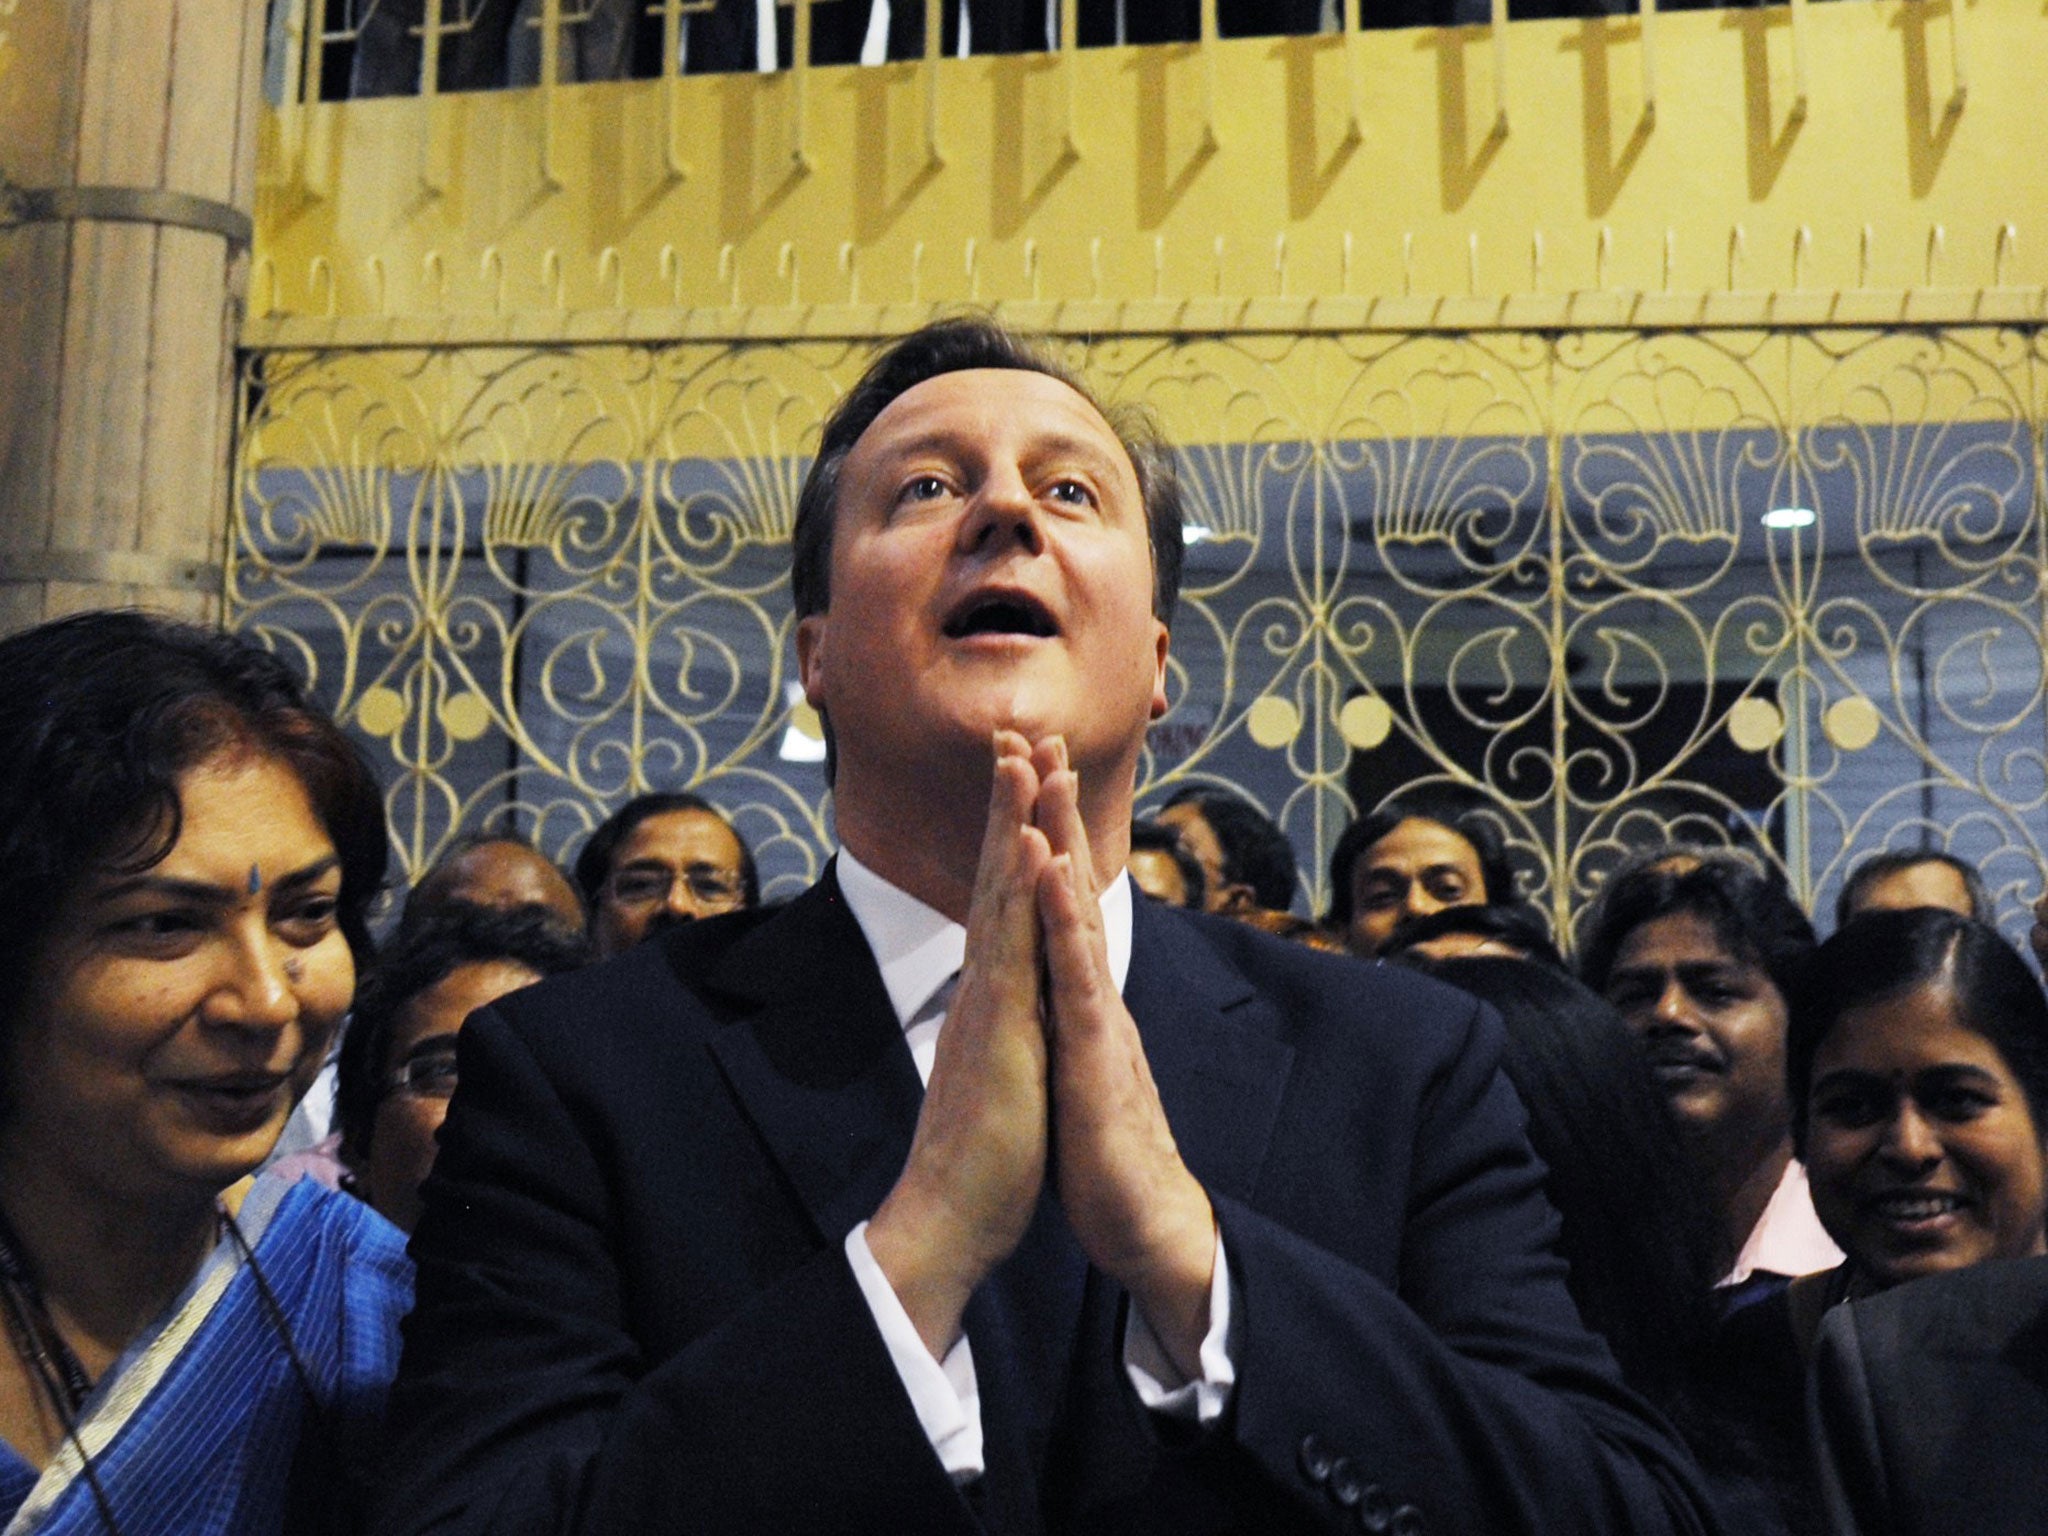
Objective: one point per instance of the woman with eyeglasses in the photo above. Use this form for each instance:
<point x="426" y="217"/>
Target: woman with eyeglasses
<point x="397" y="1068"/>
<point x="187" y="851"/>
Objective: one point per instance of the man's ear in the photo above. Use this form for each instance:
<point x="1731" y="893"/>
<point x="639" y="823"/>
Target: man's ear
<point x="1158" y="671"/>
<point x="810" y="658"/>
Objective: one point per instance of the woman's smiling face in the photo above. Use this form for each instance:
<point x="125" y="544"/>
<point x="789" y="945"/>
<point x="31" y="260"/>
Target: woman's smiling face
<point x="1922" y="1149"/>
<point x="173" y="1017"/>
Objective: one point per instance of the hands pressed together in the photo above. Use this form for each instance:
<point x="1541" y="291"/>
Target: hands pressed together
<point x="1040" y="1073"/>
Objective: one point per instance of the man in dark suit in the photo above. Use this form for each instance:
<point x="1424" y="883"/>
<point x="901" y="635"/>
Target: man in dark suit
<point x="1187" y="1229"/>
<point x="1930" y="1406"/>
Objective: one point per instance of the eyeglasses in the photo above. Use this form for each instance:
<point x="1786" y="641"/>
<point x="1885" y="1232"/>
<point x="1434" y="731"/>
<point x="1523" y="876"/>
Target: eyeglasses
<point x="645" y="886"/>
<point x="429" y="1075"/>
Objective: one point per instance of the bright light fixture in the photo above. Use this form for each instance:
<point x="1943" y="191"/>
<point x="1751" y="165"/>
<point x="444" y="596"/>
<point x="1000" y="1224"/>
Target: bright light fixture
<point x="1194" y="533"/>
<point x="798" y="746"/>
<point x="1789" y="517"/>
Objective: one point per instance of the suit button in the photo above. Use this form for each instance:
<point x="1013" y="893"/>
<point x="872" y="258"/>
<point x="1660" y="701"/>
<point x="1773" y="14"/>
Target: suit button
<point x="1346" y="1486"/>
<point x="1375" y="1510"/>
<point x="1315" y="1460"/>
<point x="1407" y="1521"/>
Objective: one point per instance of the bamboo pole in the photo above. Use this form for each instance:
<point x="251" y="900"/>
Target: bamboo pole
<point x="127" y="148"/>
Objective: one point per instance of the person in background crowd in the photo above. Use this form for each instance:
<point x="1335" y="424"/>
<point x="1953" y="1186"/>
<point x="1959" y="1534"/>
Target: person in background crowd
<point x="1917" y="1061"/>
<point x="398" y="1062"/>
<point x="878" y="1211"/>
<point x="1511" y="932"/>
<point x="187" y="854"/>
<point x="1410" y="858"/>
<point x="1293" y="926"/>
<point x="1930" y="1405"/>
<point x="485" y="869"/>
<point x="1162" y="867"/>
<point x="1246" y="859"/>
<point x="499" y="870"/>
<point x="1901" y="880"/>
<point x="1696" y="949"/>
<point x="658" y="860"/>
<point x="1639" y="1237"/>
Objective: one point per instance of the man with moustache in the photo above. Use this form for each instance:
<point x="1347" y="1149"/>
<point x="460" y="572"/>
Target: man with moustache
<point x="1163" y="1241"/>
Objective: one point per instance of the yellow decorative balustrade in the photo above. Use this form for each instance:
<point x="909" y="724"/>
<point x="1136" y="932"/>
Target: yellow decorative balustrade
<point x="1480" y="428"/>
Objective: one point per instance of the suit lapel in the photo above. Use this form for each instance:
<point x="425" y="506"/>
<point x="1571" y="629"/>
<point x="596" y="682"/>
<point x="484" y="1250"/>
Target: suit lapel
<point x="1220" y="1074"/>
<point x="816" y="1057"/>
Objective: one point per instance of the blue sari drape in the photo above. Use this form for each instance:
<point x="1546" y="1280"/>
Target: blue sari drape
<point x="203" y="1426"/>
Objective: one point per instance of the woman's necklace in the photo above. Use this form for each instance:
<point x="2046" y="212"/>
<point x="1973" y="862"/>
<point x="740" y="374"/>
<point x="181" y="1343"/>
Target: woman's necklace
<point x="35" y="1334"/>
<point x="55" y="1367"/>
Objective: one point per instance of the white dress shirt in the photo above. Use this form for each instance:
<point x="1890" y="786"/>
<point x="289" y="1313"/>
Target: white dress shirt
<point x="919" y="951"/>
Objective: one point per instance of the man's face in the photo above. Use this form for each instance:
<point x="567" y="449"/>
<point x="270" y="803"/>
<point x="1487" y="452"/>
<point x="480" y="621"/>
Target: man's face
<point x="1932" y="884"/>
<point x="1712" y="1024"/>
<point x="1219" y="892"/>
<point x="1419" y="867"/>
<point x="1157" y="874"/>
<point x="990" y="569"/>
<point x="507" y="876"/>
<point x="672" y="867"/>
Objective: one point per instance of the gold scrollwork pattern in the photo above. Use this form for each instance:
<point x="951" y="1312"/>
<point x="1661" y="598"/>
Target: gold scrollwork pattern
<point x="1784" y="587"/>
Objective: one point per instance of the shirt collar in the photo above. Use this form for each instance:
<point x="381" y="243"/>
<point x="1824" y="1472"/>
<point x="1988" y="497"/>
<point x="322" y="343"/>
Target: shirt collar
<point x="918" y="948"/>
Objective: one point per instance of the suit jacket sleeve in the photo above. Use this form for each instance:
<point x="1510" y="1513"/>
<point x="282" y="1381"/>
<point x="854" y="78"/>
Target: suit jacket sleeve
<point x="526" y="1404"/>
<point x="1466" y="1392"/>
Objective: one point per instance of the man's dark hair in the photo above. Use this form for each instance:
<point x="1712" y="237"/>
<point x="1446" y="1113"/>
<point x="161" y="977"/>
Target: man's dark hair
<point x="1893" y="861"/>
<point x="594" y="863"/>
<point x="1879" y="955"/>
<point x="955" y="346"/>
<point x="1256" y="852"/>
<point x="1474" y="825"/>
<point x="1751" y="913"/>
<point x="1513" y="925"/>
<point x="1157" y="836"/>
<point x="452" y="935"/>
<point x="102" y="714"/>
<point x="433" y="889"/>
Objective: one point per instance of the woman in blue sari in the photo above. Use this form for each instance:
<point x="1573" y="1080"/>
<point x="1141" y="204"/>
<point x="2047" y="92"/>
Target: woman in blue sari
<point x="187" y="850"/>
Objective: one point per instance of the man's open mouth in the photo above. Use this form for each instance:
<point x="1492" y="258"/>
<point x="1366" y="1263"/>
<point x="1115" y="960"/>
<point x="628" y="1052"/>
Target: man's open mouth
<point x="1001" y="613"/>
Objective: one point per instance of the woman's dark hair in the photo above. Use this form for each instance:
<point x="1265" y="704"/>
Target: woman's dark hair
<point x="454" y="934"/>
<point x="1471" y="823"/>
<point x="1515" y="926"/>
<point x="1879" y="955"/>
<point x="101" y="716"/>
<point x="1751" y="913"/>
<point x="594" y="863"/>
<point x="1638" y="1232"/>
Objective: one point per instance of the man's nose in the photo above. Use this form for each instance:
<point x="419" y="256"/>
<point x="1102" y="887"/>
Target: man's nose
<point x="1419" y="902"/>
<point x="1674" y="1006"/>
<point x="1001" y="513"/>
<point x="682" y="899"/>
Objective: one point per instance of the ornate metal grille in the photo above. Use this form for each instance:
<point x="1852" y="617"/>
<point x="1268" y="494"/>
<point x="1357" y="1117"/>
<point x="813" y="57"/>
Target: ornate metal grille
<point x="1534" y="567"/>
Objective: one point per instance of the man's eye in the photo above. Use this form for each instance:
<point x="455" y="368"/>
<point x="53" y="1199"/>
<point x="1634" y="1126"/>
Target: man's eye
<point x="1073" y="492"/>
<point x="923" y="488"/>
<point x="1447" y="888"/>
<point x="1379" y="896"/>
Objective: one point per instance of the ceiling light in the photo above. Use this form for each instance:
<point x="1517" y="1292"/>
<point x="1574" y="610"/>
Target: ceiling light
<point x="1789" y="517"/>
